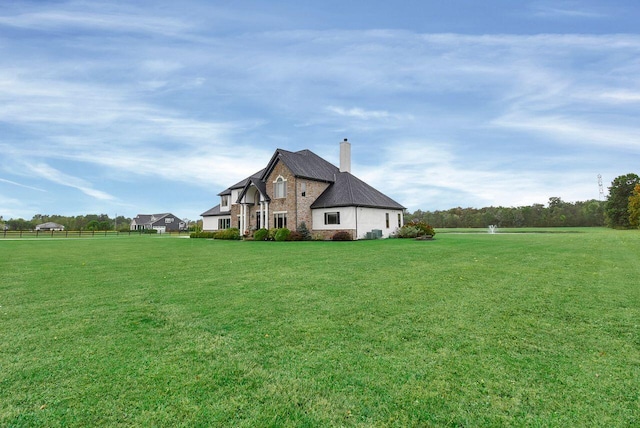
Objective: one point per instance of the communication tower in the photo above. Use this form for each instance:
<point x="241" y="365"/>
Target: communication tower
<point x="600" y="188"/>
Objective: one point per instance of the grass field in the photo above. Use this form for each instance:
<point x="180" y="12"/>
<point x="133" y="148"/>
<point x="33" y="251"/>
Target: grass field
<point x="524" y="329"/>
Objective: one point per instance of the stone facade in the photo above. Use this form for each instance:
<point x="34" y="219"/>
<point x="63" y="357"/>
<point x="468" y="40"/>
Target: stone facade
<point x="312" y="190"/>
<point x="328" y="234"/>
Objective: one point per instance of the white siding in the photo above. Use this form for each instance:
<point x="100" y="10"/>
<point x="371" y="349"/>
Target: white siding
<point x="363" y="220"/>
<point x="347" y="218"/>
<point x="210" y="223"/>
<point x="375" y="218"/>
<point x="234" y="196"/>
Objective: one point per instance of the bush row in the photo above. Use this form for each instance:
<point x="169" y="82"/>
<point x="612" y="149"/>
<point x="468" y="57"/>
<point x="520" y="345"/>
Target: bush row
<point x="282" y="234"/>
<point x="231" y="234"/>
<point x="302" y="234"/>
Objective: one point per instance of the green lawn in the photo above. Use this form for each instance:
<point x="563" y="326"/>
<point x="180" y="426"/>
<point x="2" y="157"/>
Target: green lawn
<point x="524" y="329"/>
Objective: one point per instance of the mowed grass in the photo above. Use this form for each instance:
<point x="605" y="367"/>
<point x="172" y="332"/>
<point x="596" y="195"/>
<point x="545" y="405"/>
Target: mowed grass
<point x="465" y="330"/>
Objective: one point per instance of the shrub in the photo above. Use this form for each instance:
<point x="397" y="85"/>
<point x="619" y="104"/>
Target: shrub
<point x="342" y="235"/>
<point x="415" y="230"/>
<point x="282" y="234"/>
<point x="150" y="231"/>
<point x="302" y="229"/>
<point x="271" y="236"/>
<point x="230" y="234"/>
<point x="295" y="236"/>
<point x="407" y="231"/>
<point x="207" y="235"/>
<point x="261" y="234"/>
<point x="424" y="228"/>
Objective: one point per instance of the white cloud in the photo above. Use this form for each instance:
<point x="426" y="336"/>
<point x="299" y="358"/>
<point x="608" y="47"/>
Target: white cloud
<point x="47" y="172"/>
<point x="21" y="185"/>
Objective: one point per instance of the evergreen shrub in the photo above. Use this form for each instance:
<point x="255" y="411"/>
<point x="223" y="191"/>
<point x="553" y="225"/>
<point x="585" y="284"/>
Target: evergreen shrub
<point x="304" y="231"/>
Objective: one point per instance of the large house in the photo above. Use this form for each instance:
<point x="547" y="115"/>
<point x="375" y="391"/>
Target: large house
<point x="297" y="187"/>
<point x="165" y="222"/>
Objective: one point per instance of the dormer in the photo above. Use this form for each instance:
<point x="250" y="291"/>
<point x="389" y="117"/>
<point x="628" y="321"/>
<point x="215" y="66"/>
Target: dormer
<point x="225" y="202"/>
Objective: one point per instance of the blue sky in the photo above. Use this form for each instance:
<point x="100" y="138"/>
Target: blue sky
<point x="144" y="107"/>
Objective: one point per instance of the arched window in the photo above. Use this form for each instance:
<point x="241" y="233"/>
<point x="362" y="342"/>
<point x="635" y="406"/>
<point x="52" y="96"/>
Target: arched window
<point x="280" y="187"/>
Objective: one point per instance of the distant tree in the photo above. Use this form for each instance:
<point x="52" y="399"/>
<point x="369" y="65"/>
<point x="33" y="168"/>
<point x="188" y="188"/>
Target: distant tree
<point x="20" y="224"/>
<point x="634" y="207"/>
<point x="617" y="205"/>
<point x="93" y="225"/>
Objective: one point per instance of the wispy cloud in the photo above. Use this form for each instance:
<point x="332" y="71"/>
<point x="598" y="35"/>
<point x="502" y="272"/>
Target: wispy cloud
<point x="564" y="9"/>
<point x="21" y="185"/>
<point x="45" y="171"/>
<point x="113" y="21"/>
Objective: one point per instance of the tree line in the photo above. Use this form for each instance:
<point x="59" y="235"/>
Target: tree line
<point x="621" y="210"/>
<point x="80" y="222"/>
<point x="556" y="213"/>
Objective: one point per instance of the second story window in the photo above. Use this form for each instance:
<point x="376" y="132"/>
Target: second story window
<point x="280" y="188"/>
<point x="224" y="200"/>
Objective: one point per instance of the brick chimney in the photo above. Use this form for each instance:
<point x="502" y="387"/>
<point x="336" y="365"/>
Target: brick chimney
<point x="345" y="156"/>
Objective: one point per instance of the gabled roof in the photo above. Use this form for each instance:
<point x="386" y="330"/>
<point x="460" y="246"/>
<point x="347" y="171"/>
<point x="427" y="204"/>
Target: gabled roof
<point x="151" y="218"/>
<point x="348" y="190"/>
<point x="303" y="164"/>
<point x="212" y="212"/>
<point x="240" y="184"/>
<point x="260" y="185"/>
<point x="143" y="218"/>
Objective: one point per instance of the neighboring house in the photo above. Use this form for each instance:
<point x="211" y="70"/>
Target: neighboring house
<point x="50" y="226"/>
<point x="298" y="187"/>
<point x="166" y="222"/>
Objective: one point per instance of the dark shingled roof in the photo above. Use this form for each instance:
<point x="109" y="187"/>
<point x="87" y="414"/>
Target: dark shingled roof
<point x="260" y="185"/>
<point x="303" y="164"/>
<point x="344" y="189"/>
<point x="348" y="190"/>
<point x="215" y="211"/>
<point x="240" y="184"/>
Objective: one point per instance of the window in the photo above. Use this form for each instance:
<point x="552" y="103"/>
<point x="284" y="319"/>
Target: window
<point x="399" y="220"/>
<point x="303" y="189"/>
<point x="224" y="200"/>
<point x="279" y="220"/>
<point x="169" y="220"/>
<point x="224" y="223"/>
<point x="280" y="188"/>
<point x="332" y="218"/>
<point x="238" y="222"/>
<point x="386" y="215"/>
<point x="258" y="216"/>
